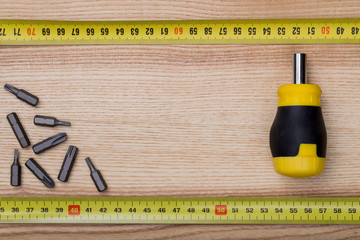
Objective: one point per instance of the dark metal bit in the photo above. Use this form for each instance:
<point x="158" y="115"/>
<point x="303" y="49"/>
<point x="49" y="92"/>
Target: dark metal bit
<point x="49" y="143"/>
<point x="49" y="121"/>
<point x="96" y="176"/>
<point x="68" y="163"/>
<point x="15" y="179"/>
<point x="40" y="173"/>
<point x="18" y="130"/>
<point x="22" y="95"/>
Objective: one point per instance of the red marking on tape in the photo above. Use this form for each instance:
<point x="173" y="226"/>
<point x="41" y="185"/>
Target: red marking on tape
<point x="220" y="209"/>
<point x="74" y="210"/>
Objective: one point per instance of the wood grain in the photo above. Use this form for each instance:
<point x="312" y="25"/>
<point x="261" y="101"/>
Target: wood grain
<point x="177" y="120"/>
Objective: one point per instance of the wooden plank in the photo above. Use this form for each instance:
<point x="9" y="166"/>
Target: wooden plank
<point x="177" y="120"/>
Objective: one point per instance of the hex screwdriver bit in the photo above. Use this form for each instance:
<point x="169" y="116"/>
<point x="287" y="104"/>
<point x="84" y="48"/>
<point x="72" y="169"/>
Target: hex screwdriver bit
<point x="49" y="121"/>
<point x="18" y="130"/>
<point x="39" y="172"/>
<point x="68" y="163"/>
<point x="96" y="176"/>
<point x="22" y="95"/>
<point x="15" y="179"/>
<point x="49" y="143"/>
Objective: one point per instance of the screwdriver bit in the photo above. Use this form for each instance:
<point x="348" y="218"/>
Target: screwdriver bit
<point x="15" y="179"/>
<point x="68" y="163"/>
<point x="22" y="95"/>
<point x="96" y="176"/>
<point x="49" y="143"/>
<point x="18" y="130"/>
<point x="49" y="121"/>
<point x="39" y="172"/>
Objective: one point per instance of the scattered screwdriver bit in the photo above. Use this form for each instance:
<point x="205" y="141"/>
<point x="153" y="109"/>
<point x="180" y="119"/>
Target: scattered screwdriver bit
<point x="49" y="121"/>
<point x="96" y="176"/>
<point x="49" y="143"/>
<point x="39" y="172"/>
<point x="15" y="179"/>
<point x="22" y="95"/>
<point x="18" y="130"/>
<point x="68" y="163"/>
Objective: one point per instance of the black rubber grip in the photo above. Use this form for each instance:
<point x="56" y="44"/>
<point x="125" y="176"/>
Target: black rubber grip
<point x="294" y="125"/>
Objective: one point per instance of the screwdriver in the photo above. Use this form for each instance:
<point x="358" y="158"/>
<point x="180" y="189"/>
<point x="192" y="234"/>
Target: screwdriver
<point x="96" y="176"/>
<point x="298" y="134"/>
<point x="22" y="95"/>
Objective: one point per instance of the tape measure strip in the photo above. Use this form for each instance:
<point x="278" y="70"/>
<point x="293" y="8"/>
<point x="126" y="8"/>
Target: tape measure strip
<point x="180" y="210"/>
<point x="266" y="31"/>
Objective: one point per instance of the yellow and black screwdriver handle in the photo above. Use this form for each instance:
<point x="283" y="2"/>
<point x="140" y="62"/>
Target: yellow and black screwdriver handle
<point x="298" y="134"/>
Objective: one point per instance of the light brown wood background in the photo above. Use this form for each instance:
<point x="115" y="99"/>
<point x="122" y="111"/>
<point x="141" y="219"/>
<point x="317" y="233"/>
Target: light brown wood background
<point x="177" y="120"/>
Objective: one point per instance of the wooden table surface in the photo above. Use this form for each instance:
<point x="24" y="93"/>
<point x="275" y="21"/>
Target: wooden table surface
<point x="177" y="120"/>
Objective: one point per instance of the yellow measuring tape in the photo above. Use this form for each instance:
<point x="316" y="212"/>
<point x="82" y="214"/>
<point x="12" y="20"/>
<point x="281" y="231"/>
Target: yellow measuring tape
<point x="266" y="31"/>
<point x="180" y="210"/>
